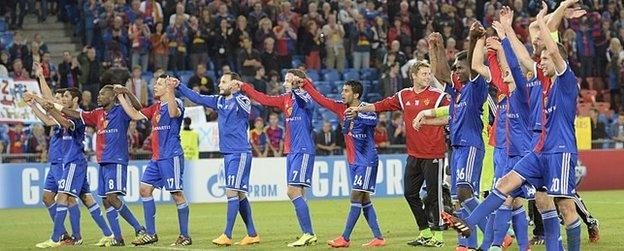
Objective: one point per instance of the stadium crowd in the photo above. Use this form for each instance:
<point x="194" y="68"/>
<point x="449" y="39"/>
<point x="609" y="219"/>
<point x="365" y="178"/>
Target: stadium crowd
<point x="333" y="40"/>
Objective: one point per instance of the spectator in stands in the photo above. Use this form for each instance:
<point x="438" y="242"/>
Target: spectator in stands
<point x="3" y="150"/>
<point x="241" y="31"/>
<point x="248" y="60"/>
<point x="5" y="66"/>
<point x="255" y="17"/>
<point x="361" y="38"/>
<point x="264" y="31"/>
<point x="421" y="53"/>
<point x="615" y="58"/>
<point x="159" y="46"/>
<point x="396" y="129"/>
<point x="86" y="102"/>
<point x="177" y="34"/>
<point x="334" y="44"/>
<point x="33" y="56"/>
<point x="152" y="11"/>
<point x="223" y="13"/>
<point x="19" y="72"/>
<point x="179" y="13"/>
<point x="90" y="10"/>
<point x="259" y="83"/>
<point x="274" y="87"/>
<point x="37" y="143"/>
<point x="400" y="32"/>
<point x="380" y="40"/>
<point x="18" y="49"/>
<point x="134" y="138"/>
<point x="598" y="127"/>
<point x="116" y="41"/>
<point x="326" y="140"/>
<point x="17" y="19"/>
<point x="258" y="139"/>
<point x="198" y="47"/>
<point x="137" y="85"/>
<point x="275" y="135"/>
<point x="617" y="131"/>
<point x="90" y="70"/>
<point x="395" y="48"/>
<point x="392" y="81"/>
<point x="312" y="15"/>
<point x="381" y="132"/>
<point x="586" y="49"/>
<point x="189" y="140"/>
<point x="17" y="138"/>
<point x="49" y="70"/>
<point x="311" y="41"/>
<point x="223" y="41"/>
<point x="139" y="35"/>
<point x="287" y="15"/>
<point x="43" y="47"/>
<point x="199" y="82"/>
<point x="68" y="71"/>
<point x="286" y="41"/>
<point x="269" y="57"/>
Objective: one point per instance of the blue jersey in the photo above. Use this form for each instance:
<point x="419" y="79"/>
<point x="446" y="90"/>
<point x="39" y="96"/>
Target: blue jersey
<point x="111" y="128"/>
<point x="518" y="112"/>
<point x="465" y="112"/>
<point x="500" y="123"/>
<point x="298" y="108"/>
<point x="59" y="141"/>
<point x="233" y="118"/>
<point x="165" y="136"/>
<point x="560" y="108"/>
<point x="534" y="85"/>
<point x="75" y="148"/>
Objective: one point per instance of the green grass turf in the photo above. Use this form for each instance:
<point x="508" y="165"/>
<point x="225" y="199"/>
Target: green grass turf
<point x="276" y="223"/>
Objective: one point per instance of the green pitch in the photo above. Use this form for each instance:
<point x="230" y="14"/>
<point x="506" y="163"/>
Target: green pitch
<point x="276" y="224"/>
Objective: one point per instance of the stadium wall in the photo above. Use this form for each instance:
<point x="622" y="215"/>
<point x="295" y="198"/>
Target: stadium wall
<point x="204" y="180"/>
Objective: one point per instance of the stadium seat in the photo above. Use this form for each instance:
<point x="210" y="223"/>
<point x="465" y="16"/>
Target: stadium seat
<point x="313" y="75"/>
<point x="350" y="75"/>
<point x="296" y="62"/>
<point x="349" y="70"/>
<point x="331" y="76"/>
<point x="373" y="97"/>
<point x="323" y="87"/>
<point x="370" y="74"/>
<point x="333" y="96"/>
<point x="3" y="26"/>
<point x="185" y="76"/>
<point x="6" y="39"/>
<point x="211" y="75"/>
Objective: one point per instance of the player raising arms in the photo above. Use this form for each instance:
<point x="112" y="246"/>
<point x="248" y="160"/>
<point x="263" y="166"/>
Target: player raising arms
<point x="361" y="155"/>
<point x="166" y="168"/>
<point x="551" y="162"/>
<point x="233" y="120"/>
<point x="299" y="145"/>
<point x="426" y="148"/>
<point x="111" y="125"/>
<point x="73" y="182"/>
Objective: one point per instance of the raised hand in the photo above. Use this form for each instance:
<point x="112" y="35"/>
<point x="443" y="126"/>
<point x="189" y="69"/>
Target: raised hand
<point x="576" y="12"/>
<point x="506" y="16"/>
<point x="498" y="27"/>
<point x="37" y="69"/>
<point x="417" y="122"/>
<point x="172" y="82"/>
<point x="120" y="89"/>
<point x="476" y="30"/>
<point x="47" y="105"/>
<point x="351" y="112"/>
<point x="542" y="13"/>
<point x="28" y="97"/>
<point x="493" y="44"/>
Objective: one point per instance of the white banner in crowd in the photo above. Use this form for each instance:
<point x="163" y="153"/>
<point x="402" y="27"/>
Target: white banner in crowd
<point x="12" y="105"/>
<point x="204" y="180"/>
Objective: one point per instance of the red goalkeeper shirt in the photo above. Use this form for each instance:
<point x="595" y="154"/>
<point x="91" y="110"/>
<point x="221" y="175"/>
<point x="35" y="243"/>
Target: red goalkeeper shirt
<point x="428" y="142"/>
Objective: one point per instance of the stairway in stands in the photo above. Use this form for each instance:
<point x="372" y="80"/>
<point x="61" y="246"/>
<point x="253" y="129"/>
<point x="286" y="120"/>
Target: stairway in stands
<point x="57" y="35"/>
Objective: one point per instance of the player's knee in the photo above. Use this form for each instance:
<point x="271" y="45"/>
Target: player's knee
<point x="517" y="203"/>
<point x="146" y="191"/>
<point x="178" y="197"/>
<point x="357" y="196"/>
<point x="543" y="202"/>
<point x="566" y="207"/>
<point x="48" y="198"/>
<point x="293" y="192"/>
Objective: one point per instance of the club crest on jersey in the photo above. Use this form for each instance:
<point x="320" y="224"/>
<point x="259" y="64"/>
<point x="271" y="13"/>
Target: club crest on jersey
<point x="156" y="118"/>
<point x="104" y="123"/>
<point x="426" y="101"/>
<point x="529" y="75"/>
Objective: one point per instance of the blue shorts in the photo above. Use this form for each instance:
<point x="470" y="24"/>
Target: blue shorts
<point x="500" y="164"/>
<point x="552" y="171"/>
<point x="527" y="190"/>
<point x="466" y="165"/>
<point x="364" y="177"/>
<point x="54" y="174"/>
<point x="165" y="173"/>
<point x="300" y="167"/>
<point x="237" y="168"/>
<point x="112" y="179"/>
<point x="74" y="179"/>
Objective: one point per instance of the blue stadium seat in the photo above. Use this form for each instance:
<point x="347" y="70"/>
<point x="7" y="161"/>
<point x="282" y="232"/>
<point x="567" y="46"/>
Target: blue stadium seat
<point x="350" y="75"/>
<point x="313" y="75"/>
<point x="370" y="74"/>
<point x="331" y="75"/>
<point x="323" y="87"/>
<point x="296" y="62"/>
<point x="333" y="96"/>
<point x="6" y="39"/>
<point x="3" y="26"/>
<point x="185" y="76"/>
<point x="373" y="97"/>
<point x="284" y="72"/>
<point x="211" y="75"/>
<point x="349" y="70"/>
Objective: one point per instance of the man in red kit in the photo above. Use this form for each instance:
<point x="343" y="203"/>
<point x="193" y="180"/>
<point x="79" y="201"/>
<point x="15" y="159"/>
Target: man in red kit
<point x="425" y="147"/>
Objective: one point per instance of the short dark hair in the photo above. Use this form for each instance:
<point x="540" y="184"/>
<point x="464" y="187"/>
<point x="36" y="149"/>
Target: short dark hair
<point x="75" y="93"/>
<point x="462" y="55"/>
<point x="233" y="76"/>
<point x="297" y="72"/>
<point x="187" y="121"/>
<point x="60" y="91"/>
<point x="356" y="86"/>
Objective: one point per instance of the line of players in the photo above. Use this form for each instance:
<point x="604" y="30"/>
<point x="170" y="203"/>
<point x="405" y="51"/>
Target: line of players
<point x="468" y="90"/>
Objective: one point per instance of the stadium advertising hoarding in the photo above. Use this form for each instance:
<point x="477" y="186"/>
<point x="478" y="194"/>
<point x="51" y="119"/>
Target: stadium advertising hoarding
<point x="12" y="105"/>
<point x="204" y="180"/>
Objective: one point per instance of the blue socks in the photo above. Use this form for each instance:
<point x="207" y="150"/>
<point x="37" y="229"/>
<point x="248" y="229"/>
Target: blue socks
<point x="112" y="215"/>
<point x="303" y="214"/>
<point x="149" y="211"/>
<point x="461" y="241"/>
<point x="494" y="200"/>
<point x="183" y="218"/>
<point x="232" y="211"/>
<point x="128" y="216"/>
<point x="471" y="204"/>
<point x="488" y="235"/>
<point x="573" y="232"/>
<point x="521" y="227"/>
<point x="96" y="214"/>
<point x="552" y="233"/>
<point x="52" y="211"/>
<point x="501" y="224"/>
<point x="59" y="220"/>
<point x="471" y="241"/>
<point x="74" y="219"/>
<point x="371" y="218"/>
<point x="354" y="214"/>
<point x="245" y="211"/>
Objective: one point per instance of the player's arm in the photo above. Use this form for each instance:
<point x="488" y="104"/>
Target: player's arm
<point x="514" y="68"/>
<point x="129" y="109"/>
<point x="71" y="113"/>
<point x="29" y="98"/>
<point x="368" y="118"/>
<point x="506" y="18"/>
<point x="437" y="57"/>
<point x="551" y="47"/>
<point x="205" y="100"/>
<point x="46" y="92"/>
<point x="330" y="104"/>
<point x="436" y="121"/>
<point x="554" y="19"/>
<point x="273" y="101"/>
<point x="173" y="106"/>
<point x="425" y="117"/>
<point x="56" y="115"/>
<point x="497" y="65"/>
<point x="391" y="103"/>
